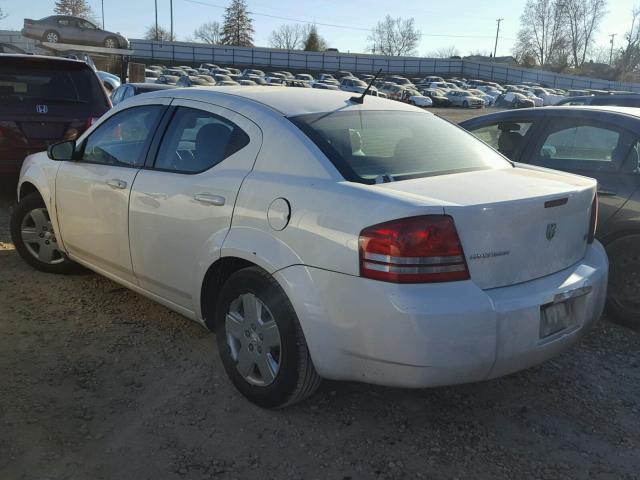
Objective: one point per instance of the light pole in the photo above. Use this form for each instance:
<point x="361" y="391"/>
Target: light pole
<point x="171" y="8"/>
<point x="613" y="35"/>
<point x="102" y="3"/>
<point x="156" y="20"/>
<point x="495" y="47"/>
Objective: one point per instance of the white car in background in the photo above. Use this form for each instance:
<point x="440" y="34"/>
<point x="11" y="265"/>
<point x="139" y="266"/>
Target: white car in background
<point x="488" y="99"/>
<point x="548" y="98"/>
<point x="355" y="85"/>
<point x="322" y="236"/>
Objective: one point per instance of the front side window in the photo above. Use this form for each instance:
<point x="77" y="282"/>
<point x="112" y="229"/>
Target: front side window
<point x="197" y="140"/>
<point x="122" y="140"/>
<point x="506" y="137"/>
<point x="372" y="146"/>
<point x="584" y="147"/>
<point x="85" y="24"/>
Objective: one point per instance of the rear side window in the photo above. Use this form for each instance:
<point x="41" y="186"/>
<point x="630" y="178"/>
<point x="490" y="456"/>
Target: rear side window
<point x="197" y="140"/>
<point x="374" y="146"/>
<point x="29" y="82"/>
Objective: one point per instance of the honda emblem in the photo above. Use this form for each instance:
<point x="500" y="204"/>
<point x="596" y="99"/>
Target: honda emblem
<point x="42" y="108"/>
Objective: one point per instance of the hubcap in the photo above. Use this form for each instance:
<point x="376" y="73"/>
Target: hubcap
<point x="254" y="339"/>
<point x="39" y="238"/>
<point x="110" y="43"/>
<point x="52" y="38"/>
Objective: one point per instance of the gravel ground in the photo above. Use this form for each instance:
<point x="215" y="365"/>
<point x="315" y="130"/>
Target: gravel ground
<point x="98" y="382"/>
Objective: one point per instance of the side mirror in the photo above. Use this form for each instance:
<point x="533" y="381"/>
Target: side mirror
<point x="63" y="151"/>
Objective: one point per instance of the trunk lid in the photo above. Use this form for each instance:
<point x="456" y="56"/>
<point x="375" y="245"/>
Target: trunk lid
<point x="515" y="224"/>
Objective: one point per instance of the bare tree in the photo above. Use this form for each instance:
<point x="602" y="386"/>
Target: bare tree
<point x="445" y="52"/>
<point x="163" y="34"/>
<point x="209" y="32"/>
<point x="288" y="37"/>
<point x="629" y="57"/>
<point x="2" y="14"/>
<point x="582" y="18"/>
<point x="542" y="33"/>
<point x="394" y="36"/>
<point x="75" y="8"/>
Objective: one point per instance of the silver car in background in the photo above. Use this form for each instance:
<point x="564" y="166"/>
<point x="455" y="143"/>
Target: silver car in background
<point x="67" y="29"/>
<point x="462" y="98"/>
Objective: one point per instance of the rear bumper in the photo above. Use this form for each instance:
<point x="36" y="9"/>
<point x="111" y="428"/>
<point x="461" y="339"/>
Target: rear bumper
<point x="437" y="334"/>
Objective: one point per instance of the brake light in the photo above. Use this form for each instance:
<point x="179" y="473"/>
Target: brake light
<point x="90" y="121"/>
<point x="420" y="249"/>
<point x="593" y="222"/>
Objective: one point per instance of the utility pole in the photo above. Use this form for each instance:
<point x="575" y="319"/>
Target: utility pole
<point x="495" y="48"/>
<point x="171" y="8"/>
<point x="102" y="3"/>
<point x="613" y="35"/>
<point x="157" y="20"/>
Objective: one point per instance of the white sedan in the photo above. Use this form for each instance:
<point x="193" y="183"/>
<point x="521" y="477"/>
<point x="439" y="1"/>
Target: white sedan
<point x="321" y="236"/>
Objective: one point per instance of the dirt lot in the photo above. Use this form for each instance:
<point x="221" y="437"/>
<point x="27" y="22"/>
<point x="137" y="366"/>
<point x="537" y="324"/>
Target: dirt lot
<point x="99" y="383"/>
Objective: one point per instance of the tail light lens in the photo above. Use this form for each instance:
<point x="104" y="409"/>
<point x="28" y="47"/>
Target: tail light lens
<point x="421" y="249"/>
<point x="593" y="222"/>
<point x="90" y="121"/>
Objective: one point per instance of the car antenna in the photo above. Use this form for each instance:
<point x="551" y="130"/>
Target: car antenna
<point x="360" y="99"/>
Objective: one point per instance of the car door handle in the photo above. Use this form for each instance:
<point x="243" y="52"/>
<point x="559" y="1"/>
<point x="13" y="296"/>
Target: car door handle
<point x="116" y="183"/>
<point x="606" y="193"/>
<point x="208" y="199"/>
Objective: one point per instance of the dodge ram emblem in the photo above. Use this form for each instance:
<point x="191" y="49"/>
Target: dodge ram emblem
<point x="551" y="231"/>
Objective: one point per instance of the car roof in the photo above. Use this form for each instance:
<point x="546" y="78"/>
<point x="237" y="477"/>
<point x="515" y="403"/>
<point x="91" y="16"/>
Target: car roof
<point x="290" y="101"/>
<point x="40" y="59"/>
<point x="632" y="112"/>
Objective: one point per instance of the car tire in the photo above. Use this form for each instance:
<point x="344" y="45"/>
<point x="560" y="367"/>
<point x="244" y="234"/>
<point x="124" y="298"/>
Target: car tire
<point x="111" y="42"/>
<point x="34" y="238"/>
<point x="51" y="36"/>
<point x="465" y="104"/>
<point x="623" y="301"/>
<point x="264" y="354"/>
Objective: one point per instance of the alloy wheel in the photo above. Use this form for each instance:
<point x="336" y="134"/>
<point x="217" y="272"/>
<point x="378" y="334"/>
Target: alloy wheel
<point x="39" y="238"/>
<point x="52" y="37"/>
<point x="110" y="43"/>
<point x="254" y="339"/>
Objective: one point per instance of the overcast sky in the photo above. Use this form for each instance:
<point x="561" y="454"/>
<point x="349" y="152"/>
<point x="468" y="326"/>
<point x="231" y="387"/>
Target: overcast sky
<point x="470" y="25"/>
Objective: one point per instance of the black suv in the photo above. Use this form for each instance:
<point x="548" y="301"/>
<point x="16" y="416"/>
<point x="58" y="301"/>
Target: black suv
<point x="44" y="100"/>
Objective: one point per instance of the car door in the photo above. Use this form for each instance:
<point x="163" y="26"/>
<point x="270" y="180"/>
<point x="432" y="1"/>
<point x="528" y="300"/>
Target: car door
<point x="69" y="30"/>
<point x="181" y="205"/>
<point x="92" y="193"/>
<point x="89" y="33"/>
<point x="594" y="148"/>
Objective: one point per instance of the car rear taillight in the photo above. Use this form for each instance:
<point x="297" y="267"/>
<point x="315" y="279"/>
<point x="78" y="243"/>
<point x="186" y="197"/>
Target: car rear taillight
<point x="28" y="22"/>
<point x="90" y="121"/>
<point x="593" y="222"/>
<point x="420" y="249"/>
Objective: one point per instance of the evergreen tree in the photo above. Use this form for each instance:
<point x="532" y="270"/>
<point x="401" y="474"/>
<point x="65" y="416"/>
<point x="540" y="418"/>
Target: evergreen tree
<point x="75" y="8"/>
<point x="314" y="42"/>
<point x="237" y="29"/>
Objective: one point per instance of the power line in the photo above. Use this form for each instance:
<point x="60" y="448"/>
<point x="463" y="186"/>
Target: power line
<point x="332" y="25"/>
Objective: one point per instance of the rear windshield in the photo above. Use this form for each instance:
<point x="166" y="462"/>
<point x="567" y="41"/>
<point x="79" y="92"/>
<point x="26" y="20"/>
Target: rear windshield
<point x="28" y="82"/>
<point x="377" y="146"/>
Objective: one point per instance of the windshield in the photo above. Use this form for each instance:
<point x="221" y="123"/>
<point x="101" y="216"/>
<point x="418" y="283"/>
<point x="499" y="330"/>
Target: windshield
<point x="368" y="145"/>
<point x="48" y="82"/>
